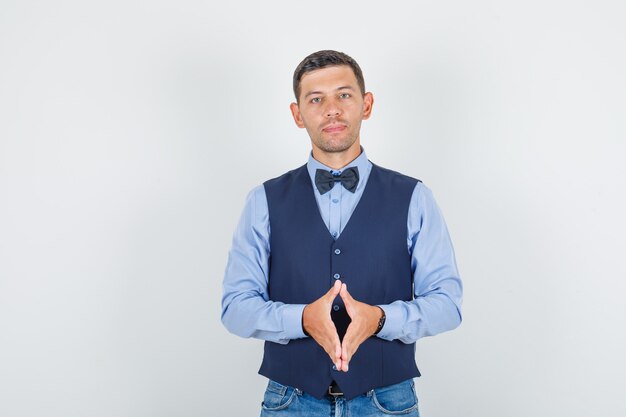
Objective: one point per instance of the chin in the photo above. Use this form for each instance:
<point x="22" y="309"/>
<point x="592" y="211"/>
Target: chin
<point x="335" y="146"/>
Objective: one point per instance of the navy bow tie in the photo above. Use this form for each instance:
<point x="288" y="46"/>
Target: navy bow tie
<point x="349" y="178"/>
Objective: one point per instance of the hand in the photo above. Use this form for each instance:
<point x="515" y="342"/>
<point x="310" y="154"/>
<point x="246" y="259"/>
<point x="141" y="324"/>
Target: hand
<point x="364" y="323"/>
<point x="317" y="323"/>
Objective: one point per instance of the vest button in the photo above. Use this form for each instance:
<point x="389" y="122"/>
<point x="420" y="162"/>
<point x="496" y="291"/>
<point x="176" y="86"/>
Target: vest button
<point x="336" y="307"/>
<point x="336" y="276"/>
<point x="334" y="367"/>
<point x="337" y="251"/>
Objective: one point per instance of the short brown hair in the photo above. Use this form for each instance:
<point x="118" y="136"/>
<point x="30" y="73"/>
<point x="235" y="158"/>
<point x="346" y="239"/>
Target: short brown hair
<point x="322" y="59"/>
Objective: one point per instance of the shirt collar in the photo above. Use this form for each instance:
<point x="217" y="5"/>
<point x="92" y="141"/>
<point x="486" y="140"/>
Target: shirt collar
<point x="361" y="162"/>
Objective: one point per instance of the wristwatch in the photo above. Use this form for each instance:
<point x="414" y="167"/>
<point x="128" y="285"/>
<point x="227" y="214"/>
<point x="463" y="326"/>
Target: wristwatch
<point x="381" y="322"/>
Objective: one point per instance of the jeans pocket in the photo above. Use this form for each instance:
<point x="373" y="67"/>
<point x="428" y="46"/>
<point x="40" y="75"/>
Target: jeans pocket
<point x="277" y="396"/>
<point x="396" y="399"/>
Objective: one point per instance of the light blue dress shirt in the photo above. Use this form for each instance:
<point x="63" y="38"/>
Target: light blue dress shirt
<point x="247" y="310"/>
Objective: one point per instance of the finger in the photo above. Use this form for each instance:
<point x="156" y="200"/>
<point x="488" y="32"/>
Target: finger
<point x="344" y="352"/>
<point x="336" y="346"/>
<point x="345" y="294"/>
<point x="351" y="342"/>
<point x="344" y="366"/>
<point x="346" y="349"/>
<point x="337" y="359"/>
<point x="347" y="299"/>
<point x="334" y="291"/>
<point x="332" y="348"/>
<point x="334" y="352"/>
<point x="346" y="346"/>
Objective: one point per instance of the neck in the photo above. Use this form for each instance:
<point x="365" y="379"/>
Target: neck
<point x="337" y="160"/>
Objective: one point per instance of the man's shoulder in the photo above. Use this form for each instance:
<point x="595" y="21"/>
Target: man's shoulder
<point x="285" y="178"/>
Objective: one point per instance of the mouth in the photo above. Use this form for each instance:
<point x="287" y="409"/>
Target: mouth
<point x="333" y="128"/>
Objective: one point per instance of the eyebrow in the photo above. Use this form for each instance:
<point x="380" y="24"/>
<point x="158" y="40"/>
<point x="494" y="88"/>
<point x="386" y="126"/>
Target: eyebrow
<point x="345" y="87"/>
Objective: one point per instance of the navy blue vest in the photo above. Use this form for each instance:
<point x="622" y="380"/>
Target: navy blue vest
<point x="370" y="256"/>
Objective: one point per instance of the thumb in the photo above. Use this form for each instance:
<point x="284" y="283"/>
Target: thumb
<point x="348" y="301"/>
<point x="334" y="291"/>
<point x="345" y="295"/>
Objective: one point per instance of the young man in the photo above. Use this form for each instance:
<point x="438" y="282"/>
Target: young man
<point x="339" y="265"/>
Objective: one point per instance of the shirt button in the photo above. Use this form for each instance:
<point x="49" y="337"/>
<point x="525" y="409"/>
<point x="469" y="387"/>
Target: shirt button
<point x="336" y="307"/>
<point x="335" y="200"/>
<point x="336" y="276"/>
<point x="337" y="251"/>
<point x="334" y="234"/>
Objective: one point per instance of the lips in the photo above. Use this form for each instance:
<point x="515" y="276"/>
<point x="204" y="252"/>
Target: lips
<point x="334" y="128"/>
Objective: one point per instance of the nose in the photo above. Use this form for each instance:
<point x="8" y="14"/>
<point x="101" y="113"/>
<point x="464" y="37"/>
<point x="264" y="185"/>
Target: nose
<point x="332" y="109"/>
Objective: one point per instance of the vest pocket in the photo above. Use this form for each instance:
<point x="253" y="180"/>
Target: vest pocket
<point x="277" y="396"/>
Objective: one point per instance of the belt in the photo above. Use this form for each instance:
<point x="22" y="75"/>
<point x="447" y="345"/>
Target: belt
<point x="334" y="390"/>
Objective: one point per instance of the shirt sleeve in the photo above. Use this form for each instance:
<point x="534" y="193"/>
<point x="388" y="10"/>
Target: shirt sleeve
<point x="437" y="287"/>
<point x="246" y="308"/>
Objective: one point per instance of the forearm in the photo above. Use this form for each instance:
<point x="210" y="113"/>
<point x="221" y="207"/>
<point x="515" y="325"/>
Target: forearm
<point x="426" y="315"/>
<point x="249" y="315"/>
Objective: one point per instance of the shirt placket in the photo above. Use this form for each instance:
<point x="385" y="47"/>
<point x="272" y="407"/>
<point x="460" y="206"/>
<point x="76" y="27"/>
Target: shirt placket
<point x="334" y="220"/>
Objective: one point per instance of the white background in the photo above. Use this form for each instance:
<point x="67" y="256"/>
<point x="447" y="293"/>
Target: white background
<point x="131" y="132"/>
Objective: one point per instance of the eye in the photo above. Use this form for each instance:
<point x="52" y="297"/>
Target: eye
<point x="316" y="100"/>
<point x="345" y="95"/>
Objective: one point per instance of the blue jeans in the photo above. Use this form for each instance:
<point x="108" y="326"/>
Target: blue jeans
<point x="284" y="401"/>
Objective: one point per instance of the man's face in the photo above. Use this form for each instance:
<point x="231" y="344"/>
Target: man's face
<point x="331" y="108"/>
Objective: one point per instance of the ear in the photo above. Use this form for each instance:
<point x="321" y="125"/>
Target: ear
<point x="368" y="103"/>
<point x="297" y="117"/>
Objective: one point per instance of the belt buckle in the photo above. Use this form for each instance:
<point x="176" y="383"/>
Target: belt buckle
<point x="333" y="393"/>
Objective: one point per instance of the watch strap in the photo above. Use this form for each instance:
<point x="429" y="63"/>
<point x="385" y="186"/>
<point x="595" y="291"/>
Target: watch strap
<point x="381" y="322"/>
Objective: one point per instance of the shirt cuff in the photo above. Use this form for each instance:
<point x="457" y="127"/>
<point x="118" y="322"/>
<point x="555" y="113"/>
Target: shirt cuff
<point x="292" y="321"/>
<point x="392" y="329"/>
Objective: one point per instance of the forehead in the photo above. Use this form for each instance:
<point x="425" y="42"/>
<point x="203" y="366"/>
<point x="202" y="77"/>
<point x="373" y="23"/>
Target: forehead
<point x="328" y="78"/>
